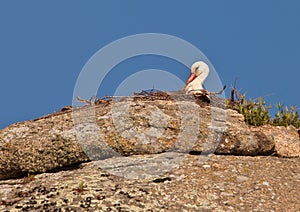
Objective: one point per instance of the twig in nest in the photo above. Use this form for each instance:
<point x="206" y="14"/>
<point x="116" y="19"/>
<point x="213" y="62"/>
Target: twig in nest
<point x="91" y="101"/>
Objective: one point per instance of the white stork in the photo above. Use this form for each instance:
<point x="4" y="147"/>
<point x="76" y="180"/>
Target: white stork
<point x="199" y="72"/>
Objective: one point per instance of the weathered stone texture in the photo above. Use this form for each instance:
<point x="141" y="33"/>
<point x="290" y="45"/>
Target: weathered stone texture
<point x="134" y="127"/>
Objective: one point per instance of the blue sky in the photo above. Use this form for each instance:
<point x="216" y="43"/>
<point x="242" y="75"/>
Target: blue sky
<point x="45" y="45"/>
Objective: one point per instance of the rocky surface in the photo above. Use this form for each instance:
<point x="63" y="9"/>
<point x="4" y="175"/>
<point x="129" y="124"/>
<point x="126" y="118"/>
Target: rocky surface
<point x="200" y="183"/>
<point x="135" y="126"/>
<point x="150" y="153"/>
<point x="286" y="139"/>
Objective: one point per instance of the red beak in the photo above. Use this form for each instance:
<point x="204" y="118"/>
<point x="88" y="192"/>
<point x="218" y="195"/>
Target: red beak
<point x="191" y="78"/>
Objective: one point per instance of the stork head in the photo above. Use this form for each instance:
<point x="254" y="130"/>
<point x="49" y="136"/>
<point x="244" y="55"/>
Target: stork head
<point x="197" y="69"/>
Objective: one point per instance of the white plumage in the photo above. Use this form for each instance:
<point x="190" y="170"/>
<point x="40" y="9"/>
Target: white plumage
<point x="199" y="72"/>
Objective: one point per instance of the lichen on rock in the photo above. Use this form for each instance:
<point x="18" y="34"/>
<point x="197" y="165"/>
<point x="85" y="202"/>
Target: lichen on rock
<point x="136" y="126"/>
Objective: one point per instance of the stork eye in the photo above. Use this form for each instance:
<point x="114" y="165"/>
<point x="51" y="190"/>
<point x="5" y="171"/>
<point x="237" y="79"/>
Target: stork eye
<point x="198" y="71"/>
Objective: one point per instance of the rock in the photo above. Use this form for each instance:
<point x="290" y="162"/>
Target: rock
<point x="36" y="146"/>
<point x="265" y="183"/>
<point x="287" y="139"/>
<point x="241" y="179"/>
<point x="188" y="187"/>
<point x="142" y="166"/>
<point x="206" y="166"/>
<point x="131" y="126"/>
<point x="239" y="139"/>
